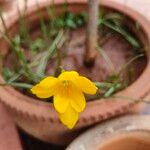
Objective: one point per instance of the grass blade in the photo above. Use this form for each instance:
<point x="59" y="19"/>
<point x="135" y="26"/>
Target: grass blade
<point x="107" y="59"/>
<point x="17" y="84"/>
<point x="103" y="84"/>
<point x="123" y="32"/>
<point x="49" y="54"/>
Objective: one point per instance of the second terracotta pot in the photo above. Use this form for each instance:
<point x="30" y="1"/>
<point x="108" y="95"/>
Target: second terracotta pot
<point x="130" y="132"/>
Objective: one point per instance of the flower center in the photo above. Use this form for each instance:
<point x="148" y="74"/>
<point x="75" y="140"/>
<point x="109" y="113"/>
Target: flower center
<point x="66" y="83"/>
<point x="66" y="87"/>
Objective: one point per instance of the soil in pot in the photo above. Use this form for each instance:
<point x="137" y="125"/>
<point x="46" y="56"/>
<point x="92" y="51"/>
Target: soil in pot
<point x="128" y="141"/>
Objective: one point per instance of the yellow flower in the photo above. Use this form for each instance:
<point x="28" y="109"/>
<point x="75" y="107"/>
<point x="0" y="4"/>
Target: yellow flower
<point x="67" y="91"/>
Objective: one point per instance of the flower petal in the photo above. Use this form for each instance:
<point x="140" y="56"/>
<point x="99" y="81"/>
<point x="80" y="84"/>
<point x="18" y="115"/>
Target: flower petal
<point x="46" y="88"/>
<point x="85" y="85"/>
<point x="69" y="118"/>
<point x="78" y="101"/>
<point x="68" y="75"/>
<point x="61" y="103"/>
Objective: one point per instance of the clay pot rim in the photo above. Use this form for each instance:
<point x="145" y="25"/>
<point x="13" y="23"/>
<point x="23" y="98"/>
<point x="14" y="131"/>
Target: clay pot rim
<point x="30" y="107"/>
<point x="102" y="133"/>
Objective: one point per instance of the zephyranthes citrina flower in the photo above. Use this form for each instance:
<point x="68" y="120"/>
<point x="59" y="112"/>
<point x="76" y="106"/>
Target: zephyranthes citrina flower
<point x="67" y="91"/>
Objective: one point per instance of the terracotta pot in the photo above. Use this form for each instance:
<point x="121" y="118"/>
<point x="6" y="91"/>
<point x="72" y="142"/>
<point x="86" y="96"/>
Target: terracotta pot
<point x="3" y="2"/>
<point x="9" y="138"/>
<point x="39" y="118"/>
<point x="132" y="141"/>
<point x="128" y="132"/>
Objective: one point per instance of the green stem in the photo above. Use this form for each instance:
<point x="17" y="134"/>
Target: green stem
<point x="103" y="84"/>
<point x="21" y="85"/>
<point x="123" y="32"/>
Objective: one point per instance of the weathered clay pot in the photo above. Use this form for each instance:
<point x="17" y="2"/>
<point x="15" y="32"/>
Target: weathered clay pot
<point x="3" y="1"/>
<point x="9" y="138"/>
<point x="132" y="141"/>
<point x="39" y="118"/>
<point x="5" y="4"/>
<point x="128" y="132"/>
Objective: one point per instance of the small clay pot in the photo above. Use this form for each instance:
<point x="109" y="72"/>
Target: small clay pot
<point x="132" y="141"/>
<point x="39" y="118"/>
<point x="5" y="5"/>
<point x="128" y="132"/>
<point x="9" y="137"/>
<point x="3" y="1"/>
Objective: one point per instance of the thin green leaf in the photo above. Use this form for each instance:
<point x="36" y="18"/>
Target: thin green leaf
<point x="17" y="84"/>
<point x="107" y="59"/>
<point x="24" y="31"/>
<point x="103" y="84"/>
<point x="37" y="44"/>
<point x="109" y="92"/>
<point x="7" y="73"/>
<point x="49" y="54"/>
<point x="113" y="89"/>
<point x="15" y="76"/>
<point x="124" y="33"/>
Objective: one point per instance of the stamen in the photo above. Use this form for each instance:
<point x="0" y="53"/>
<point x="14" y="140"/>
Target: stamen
<point x="65" y="82"/>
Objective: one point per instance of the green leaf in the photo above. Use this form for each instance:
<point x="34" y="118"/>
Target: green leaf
<point x="114" y="78"/>
<point x="7" y="73"/>
<point x="69" y="20"/>
<point x="48" y="54"/>
<point x="113" y="89"/>
<point x="59" y="22"/>
<point x="16" y="76"/>
<point x="102" y="85"/>
<point x="124" y="33"/>
<point x="109" y="92"/>
<point x="115" y="18"/>
<point x="70" y="24"/>
<point x="81" y="19"/>
<point x="16" y="40"/>
<point x="37" y="44"/>
<point x="17" y="84"/>
<point x="106" y="58"/>
<point x="42" y="22"/>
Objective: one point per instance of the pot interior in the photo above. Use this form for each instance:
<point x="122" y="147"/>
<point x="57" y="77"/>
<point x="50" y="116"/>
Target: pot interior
<point x="128" y="141"/>
<point x="116" y="47"/>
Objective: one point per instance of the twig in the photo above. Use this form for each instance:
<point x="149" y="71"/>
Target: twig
<point x="92" y="33"/>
